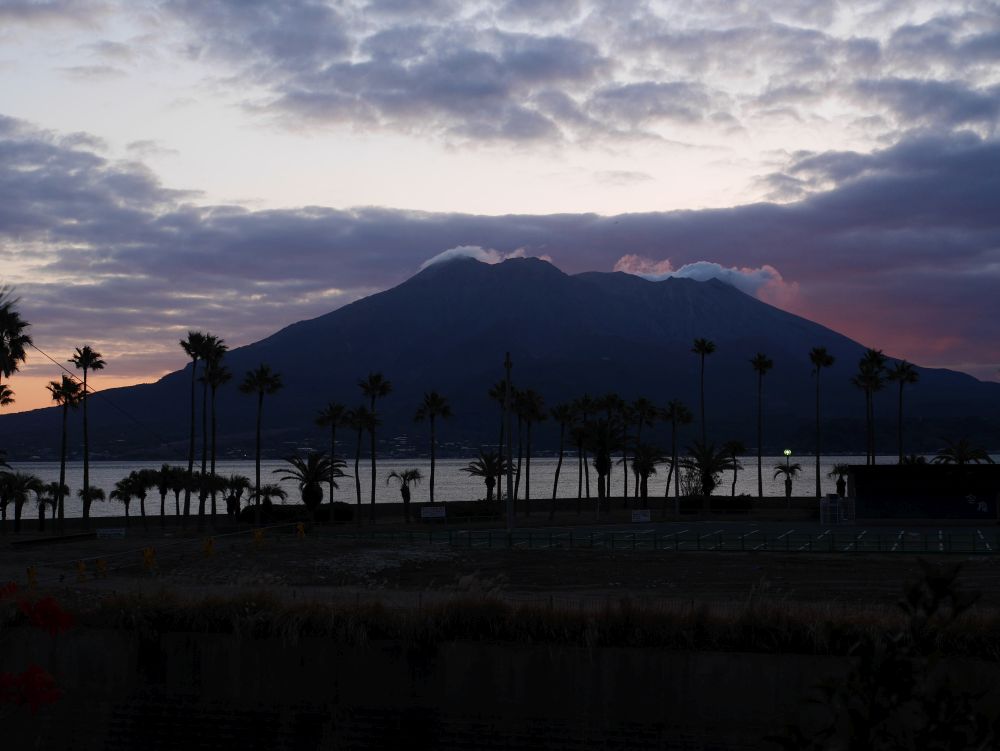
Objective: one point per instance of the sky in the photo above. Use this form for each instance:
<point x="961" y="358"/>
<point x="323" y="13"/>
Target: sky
<point x="237" y="165"/>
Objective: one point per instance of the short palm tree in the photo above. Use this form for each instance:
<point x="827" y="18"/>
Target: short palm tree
<point x="87" y="497"/>
<point x="902" y="373"/>
<point x="489" y="466"/>
<point x="87" y="359"/>
<point x="143" y="480"/>
<point x="13" y="341"/>
<point x="374" y="386"/>
<point x="124" y="492"/>
<point x="761" y="364"/>
<point x="644" y="464"/>
<point x="820" y="359"/>
<point x="261" y="381"/>
<point x="962" y="452"/>
<point x="163" y="483"/>
<point x="708" y="464"/>
<point x="332" y="416"/>
<point x="234" y="487"/>
<point x="405" y="478"/>
<point x="676" y="413"/>
<point x="840" y="471"/>
<point x="194" y="347"/>
<point x="309" y="472"/>
<point x="734" y="449"/>
<point x="267" y="493"/>
<point x="18" y="488"/>
<point x="703" y="347"/>
<point x="790" y="471"/>
<point x="66" y="394"/>
<point x="432" y="407"/>
<point x="48" y="498"/>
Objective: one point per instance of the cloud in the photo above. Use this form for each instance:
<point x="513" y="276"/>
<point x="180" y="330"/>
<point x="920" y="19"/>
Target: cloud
<point x="765" y="283"/>
<point x="484" y="255"/>
<point x="102" y="247"/>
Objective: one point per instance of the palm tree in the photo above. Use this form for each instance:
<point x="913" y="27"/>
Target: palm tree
<point x="310" y="473"/>
<point x="164" y="478"/>
<point x="332" y="415"/>
<point x="193" y="346"/>
<point x="86" y="359"/>
<point x="18" y="486"/>
<point x="360" y="420"/>
<point x="708" y="463"/>
<point x="562" y="414"/>
<point x="790" y="471"/>
<point x="840" y="471"/>
<point x="676" y="413"/>
<point x="531" y="410"/>
<point x="261" y="381"/>
<point x="13" y="341"/>
<point x="216" y="375"/>
<point x="613" y="406"/>
<point x="374" y="386"/>
<point x="142" y="481"/>
<point x="584" y="407"/>
<point x="405" y="479"/>
<point x="869" y="379"/>
<point x="235" y="487"/>
<point x="6" y="395"/>
<point x="734" y="449"/>
<point x="124" y="492"/>
<point x="902" y="373"/>
<point x="48" y="497"/>
<point x="962" y="452"/>
<point x="645" y="413"/>
<point x="489" y="466"/>
<point x="87" y="496"/>
<point x="604" y="438"/>
<point x="627" y="416"/>
<point x="498" y="393"/>
<point x="433" y="406"/>
<point x="66" y="394"/>
<point x="702" y="347"/>
<point x="264" y="495"/>
<point x="644" y="463"/>
<point x="179" y="480"/>
<point x="213" y="349"/>
<point x="761" y="364"/>
<point x="820" y="359"/>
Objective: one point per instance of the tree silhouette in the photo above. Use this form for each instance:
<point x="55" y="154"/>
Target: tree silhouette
<point x="790" y="471"/>
<point x="734" y="449"/>
<point x="562" y="414"/>
<point x="902" y="373"/>
<point x="331" y="416"/>
<point x="531" y="408"/>
<point x="309" y="473"/>
<point x="359" y="420"/>
<point x="374" y="386"/>
<point x="193" y="347"/>
<point x="432" y="407"/>
<point x="676" y="413"/>
<point x="212" y="351"/>
<point x="761" y="364"/>
<point x="870" y="380"/>
<point x="820" y="359"/>
<point x="216" y="375"/>
<point x="708" y="463"/>
<point x="644" y="462"/>
<point x="405" y="478"/>
<point x="48" y="497"/>
<point x="17" y="489"/>
<point x="703" y="347"/>
<point x="66" y="394"/>
<point x="13" y="341"/>
<point x="584" y="407"/>
<point x="489" y="466"/>
<point x="86" y="359"/>
<point x="123" y="492"/>
<point x="645" y="413"/>
<point x="961" y="452"/>
<point x="260" y="381"/>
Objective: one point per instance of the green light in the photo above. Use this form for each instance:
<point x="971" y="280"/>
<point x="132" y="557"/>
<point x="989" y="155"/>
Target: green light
<point x="788" y="452"/>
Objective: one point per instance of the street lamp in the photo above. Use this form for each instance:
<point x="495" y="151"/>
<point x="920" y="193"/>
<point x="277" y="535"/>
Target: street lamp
<point x="788" y="477"/>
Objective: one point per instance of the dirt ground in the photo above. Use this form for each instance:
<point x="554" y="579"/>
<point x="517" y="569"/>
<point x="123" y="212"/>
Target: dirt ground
<point x="322" y="568"/>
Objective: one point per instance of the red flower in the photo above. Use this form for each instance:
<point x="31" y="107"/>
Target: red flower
<point x="47" y="615"/>
<point x="33" y="687"/>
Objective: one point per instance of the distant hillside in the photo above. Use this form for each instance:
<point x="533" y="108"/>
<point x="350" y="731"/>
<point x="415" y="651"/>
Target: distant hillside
<point x="448" y="327"/>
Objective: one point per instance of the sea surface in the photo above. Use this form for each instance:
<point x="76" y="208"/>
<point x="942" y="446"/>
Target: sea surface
<point x="450" y="483"/>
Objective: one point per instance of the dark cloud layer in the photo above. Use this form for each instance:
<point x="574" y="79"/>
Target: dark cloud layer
<point x="899" y="248"/>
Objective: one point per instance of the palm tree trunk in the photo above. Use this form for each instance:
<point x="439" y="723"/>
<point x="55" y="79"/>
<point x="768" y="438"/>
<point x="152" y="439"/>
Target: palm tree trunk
<point x="673" y="456"/>
<point x="899" y="423"/>
<point x="163" y="509"/>
<point x="62" y="470"/>
<point x="373" y="471"/>
<point x="86" y="456"/>
<point x="500" y="448"/>
<point x="41" y="516"/>
<point x="433" y="457"/>
<point x="870" y="406"/>
<point x="704" y="441"/>
<point x="177" y="503"/>
<point x="142" y="511"/>
<point x="520" y="450"/>
<point x="760" y="435"/>
<point x="357" y="470"/>
<point x="732" y="493"/>
<point x="555" y="483"/>
<point x="214" y="483"/>
<point x="625" y="462"/>
<point x="17" y="517"/>
<point x="818" y="489"/>
<point x="586" y="474"/>
<point x="256" y="509"/>
<point x="527" y="474"/>
<point x="579" y="475"/>
<point x="190" y="470"/>
<point x="333" y="454"/>
<point x="202" y="485"/>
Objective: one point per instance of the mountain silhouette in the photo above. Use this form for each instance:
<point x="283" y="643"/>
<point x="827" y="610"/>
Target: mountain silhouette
<point x="448" y="327"/>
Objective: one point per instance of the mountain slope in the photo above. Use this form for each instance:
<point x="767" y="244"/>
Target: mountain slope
<point x="448" y="327"/>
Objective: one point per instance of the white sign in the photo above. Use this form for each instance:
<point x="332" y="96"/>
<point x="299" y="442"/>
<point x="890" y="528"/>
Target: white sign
<point x="640" y="515"/>
<point x="432" y="512"/>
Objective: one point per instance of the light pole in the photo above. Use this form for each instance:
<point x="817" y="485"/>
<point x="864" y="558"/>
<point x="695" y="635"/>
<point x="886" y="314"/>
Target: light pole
<point x="788" y="476"/>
